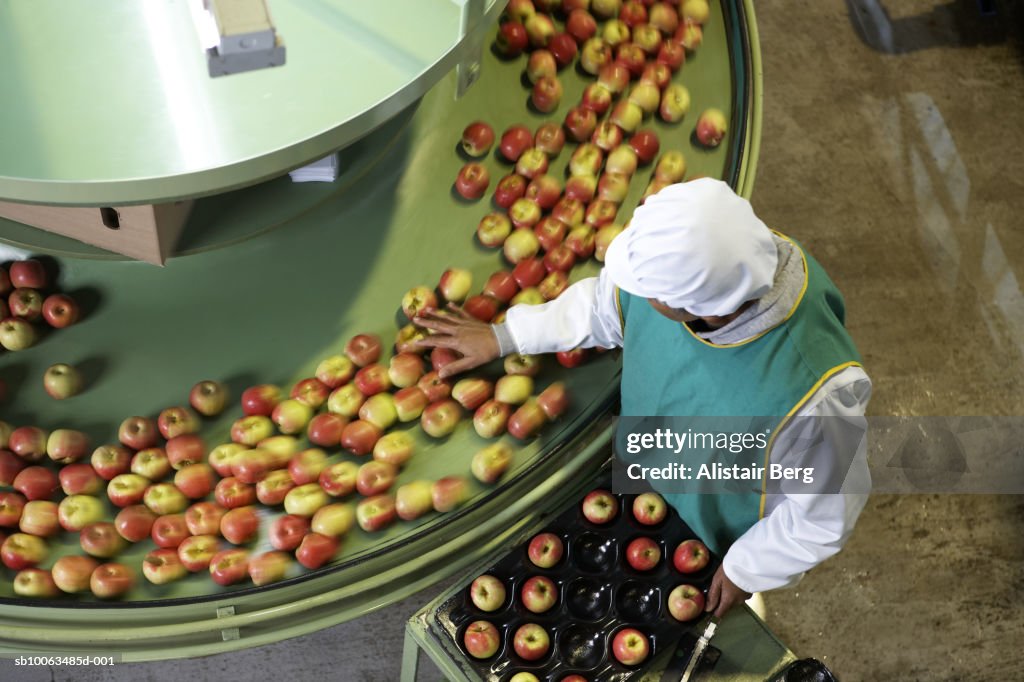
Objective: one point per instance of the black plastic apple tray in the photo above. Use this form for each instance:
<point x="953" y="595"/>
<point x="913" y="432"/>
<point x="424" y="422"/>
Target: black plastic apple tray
<point x="598" y="594"/>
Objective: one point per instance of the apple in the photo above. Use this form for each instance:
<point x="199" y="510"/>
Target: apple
<point x="691" y="556"/>
<point x="203" y="518"/>
<point x="241" y="524"/>
<point x="260" y="400"/>
<point x="360" y="436"/>
<point x="27" y="273"/>
<point x="648" y="38"/>
<point x="528" y="272"/>
<point x="75" y="512"/>
<point x="339" y="479"/>
<point x="472" y="181"/>
<point x="658" y="74"/>
<point x="363" y="349"/>
<point x="514" y="141"/>
<point x="138" y="433"/>
<point x="544" y="190"/>
<point x="77" y="479"/>
<point x="372" y="379"/>
<point x="491" y="463"/>
<point x="614" y="77"/>
<point x="311" y="391"/>
<point x="197" y="552"/>
<point x="671" y="167"/>
<point x="580" y="122"/>
<point x="690" y="35"/>
<point x="586" y="160"/>
<point x="481" y="639"/>
<point x="531" y="642"/>
<point x="413" y="500"/>
<point x="595" y="54"/>
<point x="448" y="493"/>
<point x="539" y="29"/>
<point x="374" y="478"/>
<point x="541" y="64"/>
<point x="333" y="520"/>
<point x="647" y="96"/>
<point x="671" y="54"/>
<point x="696" y="11"/>
<point x="110" y="460"/>
<point x="632" y="58"/>
<point x="162" y="566"/>
<point x="169" y="531"/>
<point x="28" y="442"/>
<point x="101" y="539"/>
<point x="545" y="550"/>
<point x="649" y="509"/>
<point x="622" y="160"/>
<point x="477" y="138"/>
<point x="605" y="9"/>
<point x="23" y="550"/>
<point x="72" y="573"/>
<point x="405" y="369"/>
<point x="513" y="389"/>
<point x="643" y="554"/>
<point x="511" y="39"/>
<point x="581" y="187"/>
<point x="316" y="549"/>
<point x="441" y="357"/>
<point x="16" y="334"/>
<point x="409" y="403"/>
<point x="455" y="283"/>
<point x="440" y="418"/>
<point x="581" y="25"/>
<point x="653" y="187"/>
<point x="268" y="567"/>
<point x="664" y="17"/>
<point x="292" y="416"/>
<point x="376" y="513"/>
<point x="572" y="358"/>
<point x="26" y="304"/>
<point x="35" y="582"/>
<point x="176" y="421"/>
<point x="581" y="238"/>
<point x="325" y="429"/>
<point x="208" y="398"/>
<point x="151" y="463"/>
<point x="305" y="499"/>
<point x="272" y="488"/>
<point x="11" y="465"/>
<point x="379" y="410"/>
<point x="287" y="531"/>
<point x="520" y="245"/>
<point x="539" y="594"/>
<point x="600" y="507"/>
<point x="36" y="483"/>
<point x="527" y="420"/>
<point x="62" y="381"/>
<point x="472" y="392"/>
<point x="528" y="296"/>
<point x="334" y="371"/>
<point x="434" y="387"/>
<point x="555" y="283"/>
<point x="135" y="522"/>
<point x="231" y="493"/>
<point x="549" y="138"/>
<point x="11" y="507"/>
<point x="646" y="145"/>
<point x="534" y="162"/>
<point x="630" y="646"/>
<point x="711" y="127"/>
<point x="345" y="401"/>
<point x="490" y="419"/>
<point x="627" y="116"/>
<point x="185" y="450"/>
<point x="229" y="566"/>
<point x="279" y="450"/>
<point x="111" y="580"/>
<point x="675" y="102"/>
<point x="550" y="233"/>
<point x="493" y="228"/>
<point x="510" y="188"/>
<point x="685" y="602"/>
<point x="554" y="400"/>
<point x="633" y="13"/>
<point x="615" y="32"/>
<point x="487" y="593"/>
<point x="613" y="187"/>
<point x="224" y="456"/>
<point x="65" y="446"/>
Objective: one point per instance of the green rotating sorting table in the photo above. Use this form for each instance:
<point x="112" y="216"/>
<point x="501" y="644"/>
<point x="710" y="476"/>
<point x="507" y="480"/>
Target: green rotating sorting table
<point x="270" y="276"/>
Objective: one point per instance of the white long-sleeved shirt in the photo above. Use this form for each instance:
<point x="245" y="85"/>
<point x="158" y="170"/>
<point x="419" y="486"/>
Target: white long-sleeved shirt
<point x="798" y="531"/>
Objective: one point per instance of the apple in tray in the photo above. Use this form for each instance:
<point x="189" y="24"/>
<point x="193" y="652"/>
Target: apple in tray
<point x="685" y="602"/>
<point x="539" y="594"/>
<point x="487" y="593"/>
<point x="545" y="550"/>
<point x="643" y="554"/>
<point x="531" y="642"/>
<point x="600" y="507"/>
<point x="481" y="639"/>
<point x="630" y="646"/>
<point x="691" y="556"/>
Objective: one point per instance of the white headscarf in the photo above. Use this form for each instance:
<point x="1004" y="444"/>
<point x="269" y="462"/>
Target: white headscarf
<point x="696" y="246"/>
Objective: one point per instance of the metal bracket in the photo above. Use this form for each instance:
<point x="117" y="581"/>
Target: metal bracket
<point x="229" y="634"/>
<point x="467" y="71"/>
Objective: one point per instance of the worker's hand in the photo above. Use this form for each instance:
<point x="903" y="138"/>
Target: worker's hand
<point x="724" y="594"/>
<point x="461" y="332"/>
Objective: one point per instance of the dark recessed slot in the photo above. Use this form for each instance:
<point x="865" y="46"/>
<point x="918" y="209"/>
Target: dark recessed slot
<point x="110" y="218"/>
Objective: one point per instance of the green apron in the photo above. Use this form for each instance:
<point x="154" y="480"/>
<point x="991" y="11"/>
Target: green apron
<point x="667" y="370"/>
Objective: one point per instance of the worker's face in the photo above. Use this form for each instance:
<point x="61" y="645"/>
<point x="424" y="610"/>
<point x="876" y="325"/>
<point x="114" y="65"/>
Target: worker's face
<point x="675" y="314"/>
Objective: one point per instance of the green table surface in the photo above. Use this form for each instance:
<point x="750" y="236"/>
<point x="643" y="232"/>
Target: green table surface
<point x="309" y="266"/>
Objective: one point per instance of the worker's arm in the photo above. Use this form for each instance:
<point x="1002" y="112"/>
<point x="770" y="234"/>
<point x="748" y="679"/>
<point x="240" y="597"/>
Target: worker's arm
<point x="799" y="531"/>
<point x="585" y="315"/>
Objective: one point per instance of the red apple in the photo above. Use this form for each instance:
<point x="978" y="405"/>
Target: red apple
<point x="203" y="518"/>
<point x="487" y="593"/>
<point x="539" y="594"/>
<point x="631" y="57"/>
<point x="287" y="531"/>
<point x="185" y="450"/>
<point x="231" y="493"/>
<point x="439" y="419"/>
<point x="442" y="357"/>
<point x="26" y="304"/>
<point x="252" y="465"/>
<point x="325" y="429"/>
<point x="490" y="418"/>
<point x="526" y="421"/>
<point x="410" y="402"/>
<point x="311" y="391"/>
<point x="529" y="272"/>
<point x="633" y="13"/>
<point x="60" y="311"/>
<point x="691" y="556"/>
<point x="477" y="138"/>
<point x="690" y="35"/>
<point x="600" y="213"/>
<point x="363" y="349"/>
<point x="600" y="507"/>
<point x="549" y="138"/>
<point x="511" y="39"/>
<point x="643" y="554"/>
<point x="597" y="98"/>
<point x="138" y="433"/>
<point x="472" y="181"/>
<point x="675" y="102"/>
<point x="110" y="460"/>
<point x="545" y="191"/>
<point x="169" y="531"/>
<point x="550" y="233"/>
<point x="315" y="550"/>
<point x="581" y="25"/>
<point x="472" y="392"/>
<point x="101" y="539"/>
<point x="176" y="421"/>
<point x="649" y="509"/>
<point x="514" y="141"/>
<point x="272" y="488"/>
<point x="268" y="567"/>
<point x="339" y="479"/>
<point x="581" y="187"/>
<point x="135" y="522"/>
<point x="197" y="552"/>
<point x="162" y="566"/>
<point x="490" y="464"/>
<point x="646" y="145"/>
<point x="516" y="363"/>
<point x="671" y="54"/>
<point x="554" y="400"/>
<point x="374" y="478"/>
<point x="563" y="47"/>
<point x="481" y="639"/>
<point x="510" y="188"/>
<point x="306" y="466"/>
<point x="208" y="398"/>
<point x="545" y="550"/>
<point x="630" y="646"/>
<point x="360" y="436"/>
<point x="23" y="550"/>
<point x="434" y="387"/>
<point x="448" y="493"/>
<point x="375" y="513"/>
<point x="229" y="566"/>
<point x="531" y="642"/>
<point x="239" y="525"/>
<point x="36" y="483"/>
<point x="77" y="479"/>
<point x="372" y="379"/>
<point x="658" y="74"/>
<point x="260" y="400"/>
<point x="335" y="371"/>
<point x="111" y="580"/>
<point x="28" y="273"/>
<point x="580" y="122"/>
<point x="711" y="127"/>
<point x="572" y="358"/>
<point x="664" y="17"/>
<point x="65" y="446"/>
<point x="685" y="603"/>
<point x="614" y="77"/>
<point x="72" y="573"/>
<point x="11" y="507"/>
<point x="493" y="228"/>
<point x="16" y="334"/>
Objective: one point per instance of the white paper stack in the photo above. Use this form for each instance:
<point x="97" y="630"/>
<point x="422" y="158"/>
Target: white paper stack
<point x="323" y="170"/>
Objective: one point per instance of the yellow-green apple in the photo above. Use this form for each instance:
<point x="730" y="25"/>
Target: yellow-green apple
<point x="696" y="11"/>
<point x="630" y="646"/>
<point x="524" y="213"/>
<point x="305" y="467"/>
<point x="335" y="371"/>
<point x="28" y="273"/>
<point x="310" y="391"/>
<point x="405" y="369"/>
<point x="111" y="580"/>
<point x="581" y="240"/>
<point x="16" y="334"/>
<point x="23" y="550"/>
<point x="658" y="74"/>
<point x="287" y="531"/>
<point x="11" y="465"/>
<point x="305" y="499"/>
<point x="649" y="509"/>
<point x="524" y="676"/>
<point x="67" y="445"/>
<point x="229" y="566"/>
<point x="260" y="400"/>
<point x="533" y="162"/>
<point x="477" y="138"/>
<point x="491" y="418"/>
<point x="75" y="512"/>
<point x="513" y="389"/>
<point x="126" y="489"/>
<point x="379" y="410"/>
<point x="691" y="556"/>
<point x="135" y="522"/>
<point x="627" y="116"/>
<point x="633" y="13"/>
<point x="711" y="127"/>
<point x="376" y="513"/>
<point x="646" y="95"/>
<point x="520" y="245"/>
<point x="316" y="549"/>
<point x="690" y="35"/>
<point x="231" y="493"/>
<point x="62" y="381"/>
<point x="581" y="187"/>
<point x="223" y="456"/>
<point x="472" y="181"/>
<point x="539" y="594"/>
<point x="333" y="520"/>
<point x="495" y="227"/>
<point x="11" y="507"/>
<point x="395" y="448"/>
<point x="203" y="518"/>
<point x="540" y="65"/>
<point x="622" y="160"/>
<point x="539" y="28"/>
<point x="554" y="400"/>
<point x="28" y="442"/>
<point x="675" y="102"/>
<point x="606" y="9"/>
<point x="481" y="639"/>
<point x="448" y="493"/>
<point x="439" y="419"/>
<point x="272" y="488"/>
<point x="345" y="401"/>
<point x="455" y="283"/>
<point x="671" y="167"/>
<point x="292" y="416"/>
<point x="581" y="25"/>
<point x="26" y="304"/>
<point x="280" y="450"/>
<point x="374" y="478"/>
<point x="77" y="479"/>
<point x="252" y="429"/>
<point x="514" y="141"/>
<point x="175" y="421"/>
<point x="664" y="17"/>
<point x="648" y="38"/>
<point x="472" y="392"/>
<point x="653" y="187"/>
<point x="169" y="531"/>
<point x="643" y="554"/>
<point x="241" y="524"/>
<point x="613" y="187"/>
<point x="72" y="573"/>
<point x="268" y="567"/>
<point x="594" y="55"/>
<point x="685" y="602"/>
<point x="491" y="463"/>
<point x="549" y="138"/>
<point x="526" y="365"/>
<point x="531" y="642"/>
<point x="487" y="593"/>
<point x="413" y="500"/>
<point x="339" y="479"/>
<point x="434" y="387"/>
<point x="35" y="582"/>
<point x="614" y="77"/>
<point x="197" y="551"/>
<point x="555" y="283"/>
<point x="39" y="517"/>
<point x="545" y="550"/>
<point x="586" y="160"/>
<point x="511" y="39"/>
<point x="600" y="506"/>
<point x="151" y="463"/>
<point x="372" y="379"/>
<point x="671" y="54"/>
<point x="101" y="539"/>
<point x="363" y="349"/>
<point x="208" y="398"/>
<point x="646" y="145"/>
<point x="5" y="433"/>
<point x="563" y="47"/>
<point x="185" y="450"/>
<point x="615" y="32"/>
<point x="360" y="437"/>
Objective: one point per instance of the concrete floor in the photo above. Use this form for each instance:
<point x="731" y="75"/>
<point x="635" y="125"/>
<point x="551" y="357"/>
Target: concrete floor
<point x="892" y="149"/>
